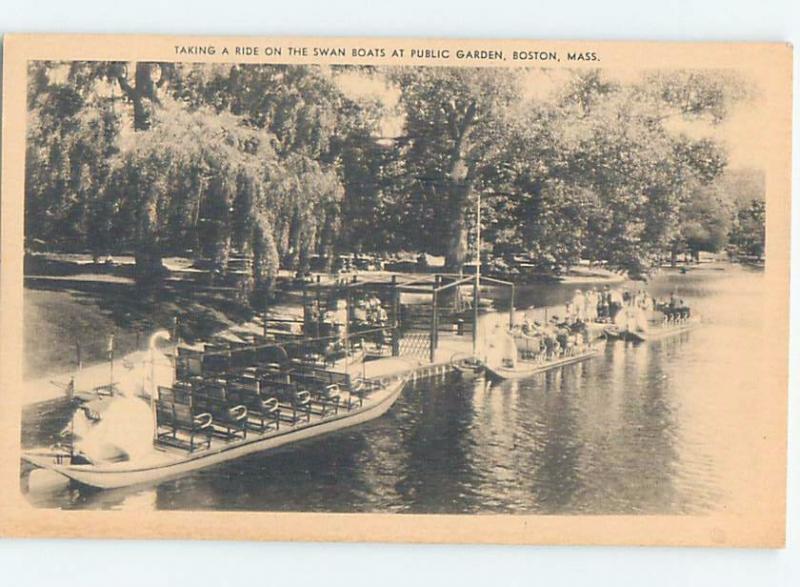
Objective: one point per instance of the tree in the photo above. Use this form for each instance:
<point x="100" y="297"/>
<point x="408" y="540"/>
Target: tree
<point x="188" y="183"/>
<point x="278" y="162"/>
<point x="454" y="118"/>
<point x="749" y="229"/>
<point x="706" y="220"/>
<point x="323" y="138"/>
<point x="139" y="83"/>
<point x="623" y="176"/>
<point x="71" y="139"/>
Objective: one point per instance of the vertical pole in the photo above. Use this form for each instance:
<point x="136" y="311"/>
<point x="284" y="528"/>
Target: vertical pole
<point x="78" y="357"/>
<point x="395" y="317"/>
<point x="176" y="339"/>
<point x="319" y="310"/>
<point x="476" y="300"/>
<point x="307" y="314"/>
<point x="144" y="363"/>
<point x="266" y="307"/>
<point x="320" y="317"/>
<point x="478" y="244"/>
<point x="346" y="327"/>
<point x="111" y="362"/>
<point x="71" y="395"/>
<point x="434" y="326"/>
<point x="153" y="376"/>
<point x="437" y="280"/>
<point x="511" y="309"/>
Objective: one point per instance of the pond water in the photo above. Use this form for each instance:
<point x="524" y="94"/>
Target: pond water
<point x="634" y="430"/>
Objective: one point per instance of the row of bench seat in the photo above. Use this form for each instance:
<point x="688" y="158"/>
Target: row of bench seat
<point x="223" y="357"/>
<point x="258" y="400"/>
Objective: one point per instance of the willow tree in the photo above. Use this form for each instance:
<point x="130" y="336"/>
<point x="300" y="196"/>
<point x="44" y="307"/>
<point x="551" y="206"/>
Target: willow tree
<point x="176" y="185"/>
<point x="71" y="139"/>
<point x="317" y="132"/>
<point x="82" y="116"/>
<point x="306" y="202"/>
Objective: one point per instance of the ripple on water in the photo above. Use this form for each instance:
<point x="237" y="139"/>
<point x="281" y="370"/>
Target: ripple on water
<point x="633" y="431"/>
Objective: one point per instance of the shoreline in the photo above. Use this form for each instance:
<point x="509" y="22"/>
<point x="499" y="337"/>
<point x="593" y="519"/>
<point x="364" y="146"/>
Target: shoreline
<point x="128" y="317"/>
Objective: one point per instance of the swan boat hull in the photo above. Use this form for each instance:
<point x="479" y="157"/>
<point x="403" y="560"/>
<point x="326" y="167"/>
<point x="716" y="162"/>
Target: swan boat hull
<point x="525" y="369"/>
<point x="653" y="333"/>
<point x="165" y="464"/>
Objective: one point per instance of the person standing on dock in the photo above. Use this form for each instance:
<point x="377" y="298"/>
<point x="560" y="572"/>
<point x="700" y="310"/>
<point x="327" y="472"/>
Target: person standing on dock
<point x="360" y="314"/>
<point x="578" y="306"/>
<point x="592" y="302"/>
<point x="604" y="307"/>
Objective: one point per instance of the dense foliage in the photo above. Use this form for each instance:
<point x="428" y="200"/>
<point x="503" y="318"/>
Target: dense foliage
<point x="281" y="163"/>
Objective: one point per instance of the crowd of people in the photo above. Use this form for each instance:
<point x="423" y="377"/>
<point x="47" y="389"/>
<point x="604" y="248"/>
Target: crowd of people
<point x="572" y="334"/>
<point x="548" y="342"/>
<point x="367" y="317"/>
<point x="370" y="313"/>
<point x="605" y="304"/>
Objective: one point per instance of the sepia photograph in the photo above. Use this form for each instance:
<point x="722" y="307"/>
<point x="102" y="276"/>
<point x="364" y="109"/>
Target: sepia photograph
<point x="539" y="287"/>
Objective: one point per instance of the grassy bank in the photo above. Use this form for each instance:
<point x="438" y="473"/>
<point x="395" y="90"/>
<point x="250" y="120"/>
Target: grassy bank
<point x="62" y="314"/>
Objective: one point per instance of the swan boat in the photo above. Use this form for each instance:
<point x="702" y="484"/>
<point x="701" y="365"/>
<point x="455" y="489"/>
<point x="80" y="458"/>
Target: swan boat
<point x="523" y="368"/>
<point x="164" y="461"/>
<point x="653" y="332"/>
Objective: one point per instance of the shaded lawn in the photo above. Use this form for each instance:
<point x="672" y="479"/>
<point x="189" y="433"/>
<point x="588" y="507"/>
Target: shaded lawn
<point x="58" y="315"/>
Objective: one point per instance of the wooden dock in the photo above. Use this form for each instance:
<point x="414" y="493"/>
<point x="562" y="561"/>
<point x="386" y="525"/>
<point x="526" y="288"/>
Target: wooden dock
<point x="414" y="367"/>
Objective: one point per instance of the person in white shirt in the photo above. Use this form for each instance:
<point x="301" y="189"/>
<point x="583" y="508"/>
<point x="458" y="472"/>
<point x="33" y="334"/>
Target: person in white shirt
<point x="578" y="306"/>
<point x="592" y="301"/>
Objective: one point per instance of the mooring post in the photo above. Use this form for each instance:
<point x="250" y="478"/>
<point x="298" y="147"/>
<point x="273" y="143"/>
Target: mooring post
<point x="437" y="280"/>
<point x="476" y="301"/>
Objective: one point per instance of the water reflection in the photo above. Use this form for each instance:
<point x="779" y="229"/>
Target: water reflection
<point x="632" y="431"/>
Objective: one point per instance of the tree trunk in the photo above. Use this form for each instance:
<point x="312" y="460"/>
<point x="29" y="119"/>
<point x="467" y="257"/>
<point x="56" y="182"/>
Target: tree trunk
<point x="140" y="93"/>
<point x="148" y="252"/>
<point x="461" y="191"/>
<point x="265" y="257"/>
<point x="327" y="240"/>
<point x="148" y="263"/>
<point x="148" y="249"/>
<point x="458" y="242"/>
<point x="295" y="240"/>
<point x="222" y="252"/>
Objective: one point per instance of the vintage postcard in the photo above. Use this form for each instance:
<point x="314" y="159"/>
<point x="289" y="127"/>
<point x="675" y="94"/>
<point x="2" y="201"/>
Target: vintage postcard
<point x="395" y="290"/>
